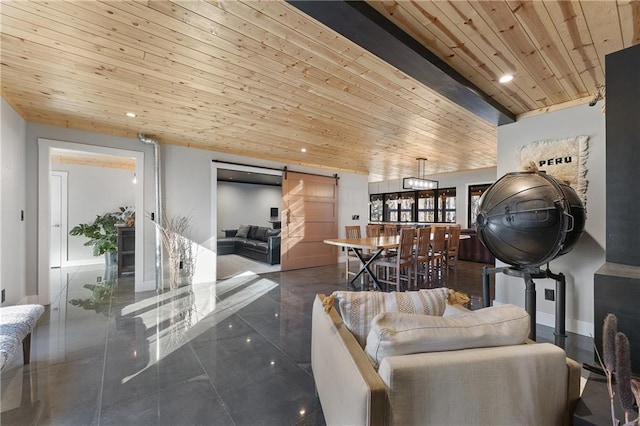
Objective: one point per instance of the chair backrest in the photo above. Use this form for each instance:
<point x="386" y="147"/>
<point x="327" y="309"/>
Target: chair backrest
<point x="390" y="230"/>
<point x="453" y="239"/>
<point x="439" y="239"/>
<point x="353" y="231"/>
<point x="424" y="240"/>
<point x="407" y="240"/>
<point x="373" y="231"/>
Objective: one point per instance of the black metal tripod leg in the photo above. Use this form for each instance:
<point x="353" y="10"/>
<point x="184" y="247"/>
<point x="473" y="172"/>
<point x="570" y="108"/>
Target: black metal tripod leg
<point x="486" y="287"/>
<point x="530" y="304"/>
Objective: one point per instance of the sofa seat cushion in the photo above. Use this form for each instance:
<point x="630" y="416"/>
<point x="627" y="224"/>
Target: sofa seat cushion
<point x="358" y="308"/>
<point x="397" y="333"/>
<point x="226" y="241"/>
<point x="261" y="246"/>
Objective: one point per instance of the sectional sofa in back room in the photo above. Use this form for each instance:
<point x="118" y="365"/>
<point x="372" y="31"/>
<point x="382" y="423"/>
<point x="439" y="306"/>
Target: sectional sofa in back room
<point x="255" y="242"/>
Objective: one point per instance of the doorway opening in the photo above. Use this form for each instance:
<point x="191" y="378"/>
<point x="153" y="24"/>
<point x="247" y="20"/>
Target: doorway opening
<point x="98" y="180"/>
<point x="249" y="200"/>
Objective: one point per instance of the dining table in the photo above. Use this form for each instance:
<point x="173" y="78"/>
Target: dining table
<point x="375" y="246"/>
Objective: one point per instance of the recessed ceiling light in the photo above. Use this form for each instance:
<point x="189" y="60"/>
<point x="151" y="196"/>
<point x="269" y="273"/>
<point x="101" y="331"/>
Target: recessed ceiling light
<point x="130" y="114"/>
<point x="506" y="78"/>
<point x="303" y="150"/>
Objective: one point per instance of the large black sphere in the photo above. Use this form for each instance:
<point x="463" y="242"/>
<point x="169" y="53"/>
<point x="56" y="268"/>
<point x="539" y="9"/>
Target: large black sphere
<point x="527" y="219"/>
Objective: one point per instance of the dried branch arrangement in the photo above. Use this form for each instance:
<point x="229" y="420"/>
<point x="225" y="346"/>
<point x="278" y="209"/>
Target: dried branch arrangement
<point x="178" y="247"/>
<point x="616" y="363"/>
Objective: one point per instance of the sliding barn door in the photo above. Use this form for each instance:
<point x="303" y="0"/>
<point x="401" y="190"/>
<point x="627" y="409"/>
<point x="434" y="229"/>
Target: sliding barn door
<point x="310" y="215"/>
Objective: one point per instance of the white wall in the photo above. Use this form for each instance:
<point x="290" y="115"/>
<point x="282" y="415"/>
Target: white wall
<point x="246" y="204"/>
<point x="93" y="191"/>
<point x="580" y="264"/>
<point x="461" y="181"/>
<point x="12" y="201"/>
<point x="188" y="189"/>
<point x="353" y="200"/>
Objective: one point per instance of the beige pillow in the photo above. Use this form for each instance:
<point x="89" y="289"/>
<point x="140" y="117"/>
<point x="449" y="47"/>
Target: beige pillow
<point x="358" y="308"/>
<point x="394" y="333"/>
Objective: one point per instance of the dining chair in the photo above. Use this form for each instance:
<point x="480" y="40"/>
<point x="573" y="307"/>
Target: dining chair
<point x="437" y="250"/>
<point x="390" y="230"/>
<point x="399" y="268"/>
<point x="421" y="256"/>
<point x="373" y="231"/>
<point x="351" y="231"/>
<point x="453" y="242"/>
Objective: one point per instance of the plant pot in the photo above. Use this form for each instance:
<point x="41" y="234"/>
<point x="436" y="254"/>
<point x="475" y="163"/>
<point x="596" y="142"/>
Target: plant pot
<point x="110" y="258"/>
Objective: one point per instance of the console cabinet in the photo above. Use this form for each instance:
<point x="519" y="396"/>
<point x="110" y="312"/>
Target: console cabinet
<point x="126" y="250"/>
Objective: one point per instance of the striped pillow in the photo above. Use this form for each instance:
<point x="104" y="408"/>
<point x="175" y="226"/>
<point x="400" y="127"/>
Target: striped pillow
<point x="358" y="308"/>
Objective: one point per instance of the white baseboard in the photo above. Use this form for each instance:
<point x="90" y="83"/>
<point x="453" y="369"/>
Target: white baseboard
<point x="572" y="325"/>
<point x="29" y="300"/>
<point x="84" y="262"/>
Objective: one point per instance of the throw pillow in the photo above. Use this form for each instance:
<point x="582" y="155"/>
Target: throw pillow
<point x="358" y="308"/>
<point x="252" y="233"/>
<point x="261" y="233"/>
<point x="243" y="231"/>
<point x="395" y="333"/>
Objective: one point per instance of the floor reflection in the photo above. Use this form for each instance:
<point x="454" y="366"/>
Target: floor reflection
<point x="103" y="354"/>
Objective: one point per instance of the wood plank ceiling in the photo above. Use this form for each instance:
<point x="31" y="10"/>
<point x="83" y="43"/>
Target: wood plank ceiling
<point x="264" y="80"/>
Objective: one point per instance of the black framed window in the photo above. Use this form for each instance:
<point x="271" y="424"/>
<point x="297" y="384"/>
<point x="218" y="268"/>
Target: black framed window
<point x="375" y="207"/>
<point x="406" y="206"/>
<point x="446" y="205"/>
<point x="390" y="207"/>
<point x="475" y="192"/>
<point x="426" y="206"/>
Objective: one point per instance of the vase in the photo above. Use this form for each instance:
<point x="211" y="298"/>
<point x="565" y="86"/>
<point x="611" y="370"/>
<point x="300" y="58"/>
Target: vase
<point x="110" y="258"/>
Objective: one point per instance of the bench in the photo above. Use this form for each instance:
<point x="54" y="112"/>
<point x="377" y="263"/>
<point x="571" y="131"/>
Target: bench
<point x="16" y="324"/>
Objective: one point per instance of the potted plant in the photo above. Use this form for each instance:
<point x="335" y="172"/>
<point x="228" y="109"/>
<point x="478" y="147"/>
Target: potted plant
<point x="102" y="232"/>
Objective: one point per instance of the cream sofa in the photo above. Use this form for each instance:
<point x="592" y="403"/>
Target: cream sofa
<point x="525" y="384"/>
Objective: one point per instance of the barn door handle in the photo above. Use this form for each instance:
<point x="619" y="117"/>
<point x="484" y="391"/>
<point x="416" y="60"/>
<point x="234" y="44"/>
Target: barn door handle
<point x="288" y="219"/>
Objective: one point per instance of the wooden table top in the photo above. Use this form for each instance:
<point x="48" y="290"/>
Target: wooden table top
<point x="366" y="243"/>
<point x="371" y="242"/>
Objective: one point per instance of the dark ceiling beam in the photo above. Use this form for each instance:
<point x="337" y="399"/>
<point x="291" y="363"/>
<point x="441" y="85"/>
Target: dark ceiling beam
<point x="363" y="25"/>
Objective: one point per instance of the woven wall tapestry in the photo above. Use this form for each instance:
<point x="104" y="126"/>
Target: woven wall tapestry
<point x="564" y="159"/>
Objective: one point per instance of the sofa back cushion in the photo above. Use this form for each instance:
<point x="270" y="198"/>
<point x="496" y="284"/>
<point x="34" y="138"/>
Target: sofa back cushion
<point x="395" y="333"/>
<point x="358" y="308"/>
<point x="252" y="232"/>
<point x="260" y="233"/>
<point x="243" y="231"/>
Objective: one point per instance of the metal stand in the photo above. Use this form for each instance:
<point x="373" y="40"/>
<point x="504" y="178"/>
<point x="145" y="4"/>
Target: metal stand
<point x="530" y="296"/>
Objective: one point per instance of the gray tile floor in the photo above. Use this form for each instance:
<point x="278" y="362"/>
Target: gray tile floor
<point x="234" y="352"/>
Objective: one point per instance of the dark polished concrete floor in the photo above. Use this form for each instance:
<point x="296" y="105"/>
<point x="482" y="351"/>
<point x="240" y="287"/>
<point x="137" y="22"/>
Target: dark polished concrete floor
<point x="234" y="352"/>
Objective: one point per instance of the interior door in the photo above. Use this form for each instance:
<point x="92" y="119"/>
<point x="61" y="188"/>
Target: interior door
<point x="310" y="215"/>
<point x="55" y="252"/>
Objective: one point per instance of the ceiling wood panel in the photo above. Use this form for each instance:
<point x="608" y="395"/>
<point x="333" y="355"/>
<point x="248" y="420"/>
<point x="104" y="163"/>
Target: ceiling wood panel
<point x="263" y="79"/>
